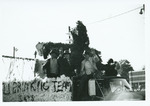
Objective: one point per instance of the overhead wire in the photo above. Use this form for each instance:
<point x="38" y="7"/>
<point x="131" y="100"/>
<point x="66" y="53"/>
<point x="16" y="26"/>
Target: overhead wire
<point x="114" y="16"/>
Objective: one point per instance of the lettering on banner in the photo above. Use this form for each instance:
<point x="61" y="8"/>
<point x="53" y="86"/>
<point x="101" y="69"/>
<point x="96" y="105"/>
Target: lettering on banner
<point x="61" y="86"/>
<point x="25" y="86"/>
<point x="6" y="88"/>
<point x="19" y="87"/>
<point x="38" y="86"/>
<point x="35" y="86"/>
<point x="15" y="87"/>
<point x="45" y="86"/>
<point x="26" y="98"/>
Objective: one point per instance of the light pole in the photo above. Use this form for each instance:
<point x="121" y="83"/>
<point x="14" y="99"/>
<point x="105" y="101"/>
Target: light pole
<point x="142" y="9"/>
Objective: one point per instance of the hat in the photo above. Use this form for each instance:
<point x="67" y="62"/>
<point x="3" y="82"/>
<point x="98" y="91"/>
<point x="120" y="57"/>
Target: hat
<point x="110" y="61"/>
<point x="67" y="52"/>
<point x="54" y="51"/>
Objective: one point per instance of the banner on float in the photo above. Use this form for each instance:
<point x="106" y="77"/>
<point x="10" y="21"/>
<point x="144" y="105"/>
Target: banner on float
<point x="49" y="89"/>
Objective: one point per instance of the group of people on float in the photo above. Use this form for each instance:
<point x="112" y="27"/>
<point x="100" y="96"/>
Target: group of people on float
<point x="91" y="66"/>
<point x="59" y="64"/>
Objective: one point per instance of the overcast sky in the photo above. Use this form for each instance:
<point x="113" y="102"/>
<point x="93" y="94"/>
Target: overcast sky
<point x="25" y="23"/>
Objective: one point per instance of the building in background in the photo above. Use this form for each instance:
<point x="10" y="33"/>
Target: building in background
<point x="137" y="80"/>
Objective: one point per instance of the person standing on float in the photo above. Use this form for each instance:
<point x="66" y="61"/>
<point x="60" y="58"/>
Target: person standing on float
<point x="65" y="66"/>
<point x="51" y="66"/>
<point x="88" y="67"/>
<point x="110" y="68"/>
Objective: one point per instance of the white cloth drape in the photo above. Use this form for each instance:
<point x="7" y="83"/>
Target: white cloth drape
<point x="18" y="69"/>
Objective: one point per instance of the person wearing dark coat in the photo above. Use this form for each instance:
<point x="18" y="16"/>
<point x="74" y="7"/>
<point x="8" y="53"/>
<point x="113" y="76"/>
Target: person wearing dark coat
<point x="110" y="68"/>
<point x="65" y="67"/>
<point x="51" y="65"/>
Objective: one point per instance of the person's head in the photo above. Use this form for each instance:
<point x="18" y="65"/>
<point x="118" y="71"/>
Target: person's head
<point x="117" y="65"/>
<point x="93" y="52"/>
<point x="110" y="61"/>
<point x="67" y="54"/>
<point x="60" y="50"/>
<point x="86" y="54"/>
<point x="54" y="53"/>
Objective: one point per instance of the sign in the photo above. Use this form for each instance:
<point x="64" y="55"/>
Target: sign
<point x="49" y="89"/>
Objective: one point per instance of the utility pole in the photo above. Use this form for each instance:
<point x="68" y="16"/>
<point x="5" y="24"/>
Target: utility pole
<point x="35" y="53"/>
<point x="14" y="51"/>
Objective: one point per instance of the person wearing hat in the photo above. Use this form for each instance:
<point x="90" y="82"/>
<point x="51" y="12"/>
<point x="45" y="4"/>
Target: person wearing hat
<point x="88" y="67"/>
<point x="110" y="68"/>
<point x="51" y="66"/>
<point x="65" y="66"/>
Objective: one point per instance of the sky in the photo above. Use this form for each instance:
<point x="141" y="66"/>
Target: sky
<point x="25" y="23"/>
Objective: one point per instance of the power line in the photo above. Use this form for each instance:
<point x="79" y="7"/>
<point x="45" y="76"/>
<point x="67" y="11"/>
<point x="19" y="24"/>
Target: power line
<point x="115" y="16"/>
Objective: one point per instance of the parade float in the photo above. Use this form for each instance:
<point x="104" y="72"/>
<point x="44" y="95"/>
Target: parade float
<point x="25" y="79"/>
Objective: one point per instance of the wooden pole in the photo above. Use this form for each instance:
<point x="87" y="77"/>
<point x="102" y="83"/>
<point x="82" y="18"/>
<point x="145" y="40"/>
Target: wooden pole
<point x="13" y="51"/>
<point x="69" y="35"/>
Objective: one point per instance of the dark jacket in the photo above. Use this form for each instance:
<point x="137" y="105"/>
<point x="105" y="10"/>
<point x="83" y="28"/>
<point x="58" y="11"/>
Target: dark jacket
<point x="110" y="70"/>
<point x="65" y="67"/>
